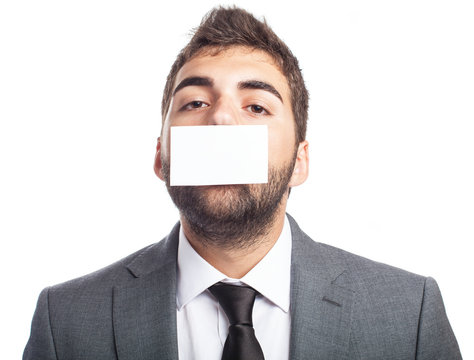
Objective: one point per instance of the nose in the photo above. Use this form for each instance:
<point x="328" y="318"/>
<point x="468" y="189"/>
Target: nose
<point x="224" y="112"/>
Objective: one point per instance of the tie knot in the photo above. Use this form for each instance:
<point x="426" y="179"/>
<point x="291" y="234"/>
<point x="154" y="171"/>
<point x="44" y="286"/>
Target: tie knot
<point x="237" y="302"/>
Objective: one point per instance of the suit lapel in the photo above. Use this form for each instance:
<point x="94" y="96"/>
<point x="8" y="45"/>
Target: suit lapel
<point x="321" y="301"/>
<point x="144" y="309"/>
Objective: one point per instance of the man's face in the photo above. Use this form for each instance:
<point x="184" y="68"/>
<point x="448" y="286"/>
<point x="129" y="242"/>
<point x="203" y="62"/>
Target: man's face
<point x="238" y="86"/>
<point x="223" y="89"/>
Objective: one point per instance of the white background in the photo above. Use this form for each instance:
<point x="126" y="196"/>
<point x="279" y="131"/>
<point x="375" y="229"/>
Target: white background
<point x="391" y="137"/>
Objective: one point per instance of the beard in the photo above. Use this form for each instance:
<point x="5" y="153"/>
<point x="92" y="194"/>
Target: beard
<point x="231" y="216"/>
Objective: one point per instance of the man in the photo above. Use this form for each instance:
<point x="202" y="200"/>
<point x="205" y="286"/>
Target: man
<point x="236" y="254"/>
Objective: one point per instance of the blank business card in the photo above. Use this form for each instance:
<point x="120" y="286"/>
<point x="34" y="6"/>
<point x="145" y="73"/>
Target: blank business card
<point x="218" y="155"/>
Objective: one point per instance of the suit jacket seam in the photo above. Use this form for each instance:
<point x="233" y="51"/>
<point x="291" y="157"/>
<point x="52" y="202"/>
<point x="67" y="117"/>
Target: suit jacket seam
<point x="112" y="319"/>
<point x="419" y="319"/>
<point x="50" y="323"/>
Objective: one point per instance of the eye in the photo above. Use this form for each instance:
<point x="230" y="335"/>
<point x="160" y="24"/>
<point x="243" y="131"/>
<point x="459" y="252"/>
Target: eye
<point x="257" y="109"/>
<point x="194" y="105"/>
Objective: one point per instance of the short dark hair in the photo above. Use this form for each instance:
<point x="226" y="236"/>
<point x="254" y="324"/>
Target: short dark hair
<point x="222" y="28"/>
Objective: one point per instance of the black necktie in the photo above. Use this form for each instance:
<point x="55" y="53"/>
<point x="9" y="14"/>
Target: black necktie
<point x="237" y="302"/>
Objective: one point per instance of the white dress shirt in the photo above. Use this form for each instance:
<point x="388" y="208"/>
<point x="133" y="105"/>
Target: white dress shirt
<point x="203" y="325"/>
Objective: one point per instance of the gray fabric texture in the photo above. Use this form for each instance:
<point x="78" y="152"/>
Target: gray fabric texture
<point x="343" y="306"/>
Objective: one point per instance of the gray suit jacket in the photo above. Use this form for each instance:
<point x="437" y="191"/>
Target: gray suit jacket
<point x="342" y="307"/>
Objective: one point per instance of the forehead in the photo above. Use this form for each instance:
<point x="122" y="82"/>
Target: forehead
<point x="235" y="64"/>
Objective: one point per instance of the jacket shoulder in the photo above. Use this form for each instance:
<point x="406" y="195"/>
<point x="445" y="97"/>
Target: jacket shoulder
<point x="148" y="259"/>
<point x="111" y="274"/>
<point x="332" y="261"/>
<point x="367" y="269"/>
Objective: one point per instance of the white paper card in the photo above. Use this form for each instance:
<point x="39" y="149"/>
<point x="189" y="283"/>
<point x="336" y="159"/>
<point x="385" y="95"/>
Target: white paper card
<point x="218" y="155"/>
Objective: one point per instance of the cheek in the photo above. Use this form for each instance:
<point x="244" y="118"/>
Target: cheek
<point x="281" y="144"/>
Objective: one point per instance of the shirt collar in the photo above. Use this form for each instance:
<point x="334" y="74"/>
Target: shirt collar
<point x="270" y="277"/>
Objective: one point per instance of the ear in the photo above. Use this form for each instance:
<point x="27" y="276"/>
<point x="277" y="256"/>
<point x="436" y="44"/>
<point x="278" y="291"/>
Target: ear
<point x="301" y="169"/>
<point x="158" y="166"/>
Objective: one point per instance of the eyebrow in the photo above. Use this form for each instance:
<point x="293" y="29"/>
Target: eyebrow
<point x="194" y="81"/>
<point x="259" y="85"/>
<point x="242" y="85"/>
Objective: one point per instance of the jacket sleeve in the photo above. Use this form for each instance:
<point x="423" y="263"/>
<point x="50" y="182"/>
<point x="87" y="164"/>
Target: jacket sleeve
<point x="40" y="345"/>
<point x="436" y="340"/>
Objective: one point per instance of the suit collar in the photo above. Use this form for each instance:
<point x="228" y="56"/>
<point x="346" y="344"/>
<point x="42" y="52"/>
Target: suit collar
<point x="156" y="256"/>
<point x="321" y="301"/>
<point x="144" y="308"/>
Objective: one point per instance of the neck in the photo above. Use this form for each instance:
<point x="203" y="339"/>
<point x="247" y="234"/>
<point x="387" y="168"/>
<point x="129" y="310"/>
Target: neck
<point x="236" y="262"/>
